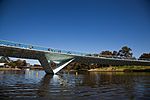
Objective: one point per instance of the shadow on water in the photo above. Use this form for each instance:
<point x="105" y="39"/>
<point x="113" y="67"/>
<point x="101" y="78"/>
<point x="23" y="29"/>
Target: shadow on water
<point x="44" y="85"/>
<point x="51" y="87"/>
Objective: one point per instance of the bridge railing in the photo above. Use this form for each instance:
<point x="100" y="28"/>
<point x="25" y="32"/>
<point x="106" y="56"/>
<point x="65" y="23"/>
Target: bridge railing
<point x="34" y="47"/>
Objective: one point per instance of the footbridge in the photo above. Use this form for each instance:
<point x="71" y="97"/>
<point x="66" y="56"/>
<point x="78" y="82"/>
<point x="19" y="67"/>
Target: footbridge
<point x="61" y="58"/>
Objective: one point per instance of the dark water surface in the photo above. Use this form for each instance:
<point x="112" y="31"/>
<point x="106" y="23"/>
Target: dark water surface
<point x="35" y="85"/>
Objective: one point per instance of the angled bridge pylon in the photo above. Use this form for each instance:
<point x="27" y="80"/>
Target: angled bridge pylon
<point x="47" y="56"/>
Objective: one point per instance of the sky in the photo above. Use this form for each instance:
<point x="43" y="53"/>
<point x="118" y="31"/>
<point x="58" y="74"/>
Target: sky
<point x="88" y="26"/>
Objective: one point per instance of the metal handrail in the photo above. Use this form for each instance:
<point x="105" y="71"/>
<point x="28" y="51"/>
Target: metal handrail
<point x="34" y="47"/>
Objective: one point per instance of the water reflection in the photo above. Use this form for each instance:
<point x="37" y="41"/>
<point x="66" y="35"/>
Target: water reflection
<point x="44" y="86"/>
<point x="32" y="84"/>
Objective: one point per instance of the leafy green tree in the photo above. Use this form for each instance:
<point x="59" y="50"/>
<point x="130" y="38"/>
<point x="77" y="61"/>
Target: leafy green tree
<point x="106" y="53"/>
<point x="24" y="63"/>
<point x="145" y="56"/>
<point x="96" y="55"/>
<point x="12" y="64"/>
<point x="115" y="53"/>
<point x="125" y="52"/>
<point x="18" y="63"/>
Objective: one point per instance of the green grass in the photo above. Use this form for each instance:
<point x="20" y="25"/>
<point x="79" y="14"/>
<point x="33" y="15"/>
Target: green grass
<point x="122" y="68"/>
<point x="3" y="69"/>
<point x="132" y="67"/>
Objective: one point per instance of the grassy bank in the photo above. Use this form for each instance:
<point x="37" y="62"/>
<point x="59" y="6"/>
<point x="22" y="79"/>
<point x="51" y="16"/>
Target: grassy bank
<point x="3" y="69"/>
<point x="33" y="68"/>
<point x="36" y="68"/>
<point x="123" y="69"/>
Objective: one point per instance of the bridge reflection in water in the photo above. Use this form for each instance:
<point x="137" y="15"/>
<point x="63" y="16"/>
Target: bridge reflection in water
<point x="69" y="86"/>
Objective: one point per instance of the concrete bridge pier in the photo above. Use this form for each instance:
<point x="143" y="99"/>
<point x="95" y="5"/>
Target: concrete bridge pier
<point x="46" y="59"/>
<point x="45" y="64"/>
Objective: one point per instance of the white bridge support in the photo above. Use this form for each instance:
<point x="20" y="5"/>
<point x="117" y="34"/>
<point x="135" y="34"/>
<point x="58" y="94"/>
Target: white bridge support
<point x="61" y="60"/>
<point x="62" y="66"/>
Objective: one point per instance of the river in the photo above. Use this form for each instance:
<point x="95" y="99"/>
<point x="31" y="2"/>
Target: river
<point x="36" y="85"/>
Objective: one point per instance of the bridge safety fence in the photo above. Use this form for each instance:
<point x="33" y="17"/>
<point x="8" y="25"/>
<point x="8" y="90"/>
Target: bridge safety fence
<point x="34" y="47"/>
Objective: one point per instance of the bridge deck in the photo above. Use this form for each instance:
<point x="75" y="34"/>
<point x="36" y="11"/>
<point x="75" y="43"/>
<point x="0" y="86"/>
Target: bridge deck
<point x="31" y="52"/>
<point x="38" y="48"/>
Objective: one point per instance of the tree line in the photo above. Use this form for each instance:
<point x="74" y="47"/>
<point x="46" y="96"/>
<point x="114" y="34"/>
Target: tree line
<point x="145" y="56"/>
<point x="18" y="63"/>
<point x="124" y="53"/>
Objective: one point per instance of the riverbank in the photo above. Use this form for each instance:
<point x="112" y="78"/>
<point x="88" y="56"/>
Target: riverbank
<point x="3" y="69"/>
<point x="122" y="69"/>
<point x="102" y="69"/>
<point x="32" y="68"/>
<point x="36" y="68"/>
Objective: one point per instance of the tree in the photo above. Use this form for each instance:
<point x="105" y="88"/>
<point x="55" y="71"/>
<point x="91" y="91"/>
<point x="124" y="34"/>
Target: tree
<point x="20" y="63"/>
<point x="95" y="55"/>
<point x="106" y="53"/>
<point x="145" y="56"/>
<point x="115" y="53"/>
<point x="24" y="63"/>
<point x="88" y="54"/>
<point x="125" y="52"/>
<point x="12" y="64"/>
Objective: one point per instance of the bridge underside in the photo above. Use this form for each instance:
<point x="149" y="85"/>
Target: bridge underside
<point x="111" y="61"/>
<point x="51" y="62"/>
<point x="47" y="59"/>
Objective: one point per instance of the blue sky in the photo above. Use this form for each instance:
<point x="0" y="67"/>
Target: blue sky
<point x="78" y="25"/>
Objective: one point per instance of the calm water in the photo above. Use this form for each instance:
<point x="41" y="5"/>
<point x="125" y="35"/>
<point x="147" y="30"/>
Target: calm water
<point x="74" y="86"/>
